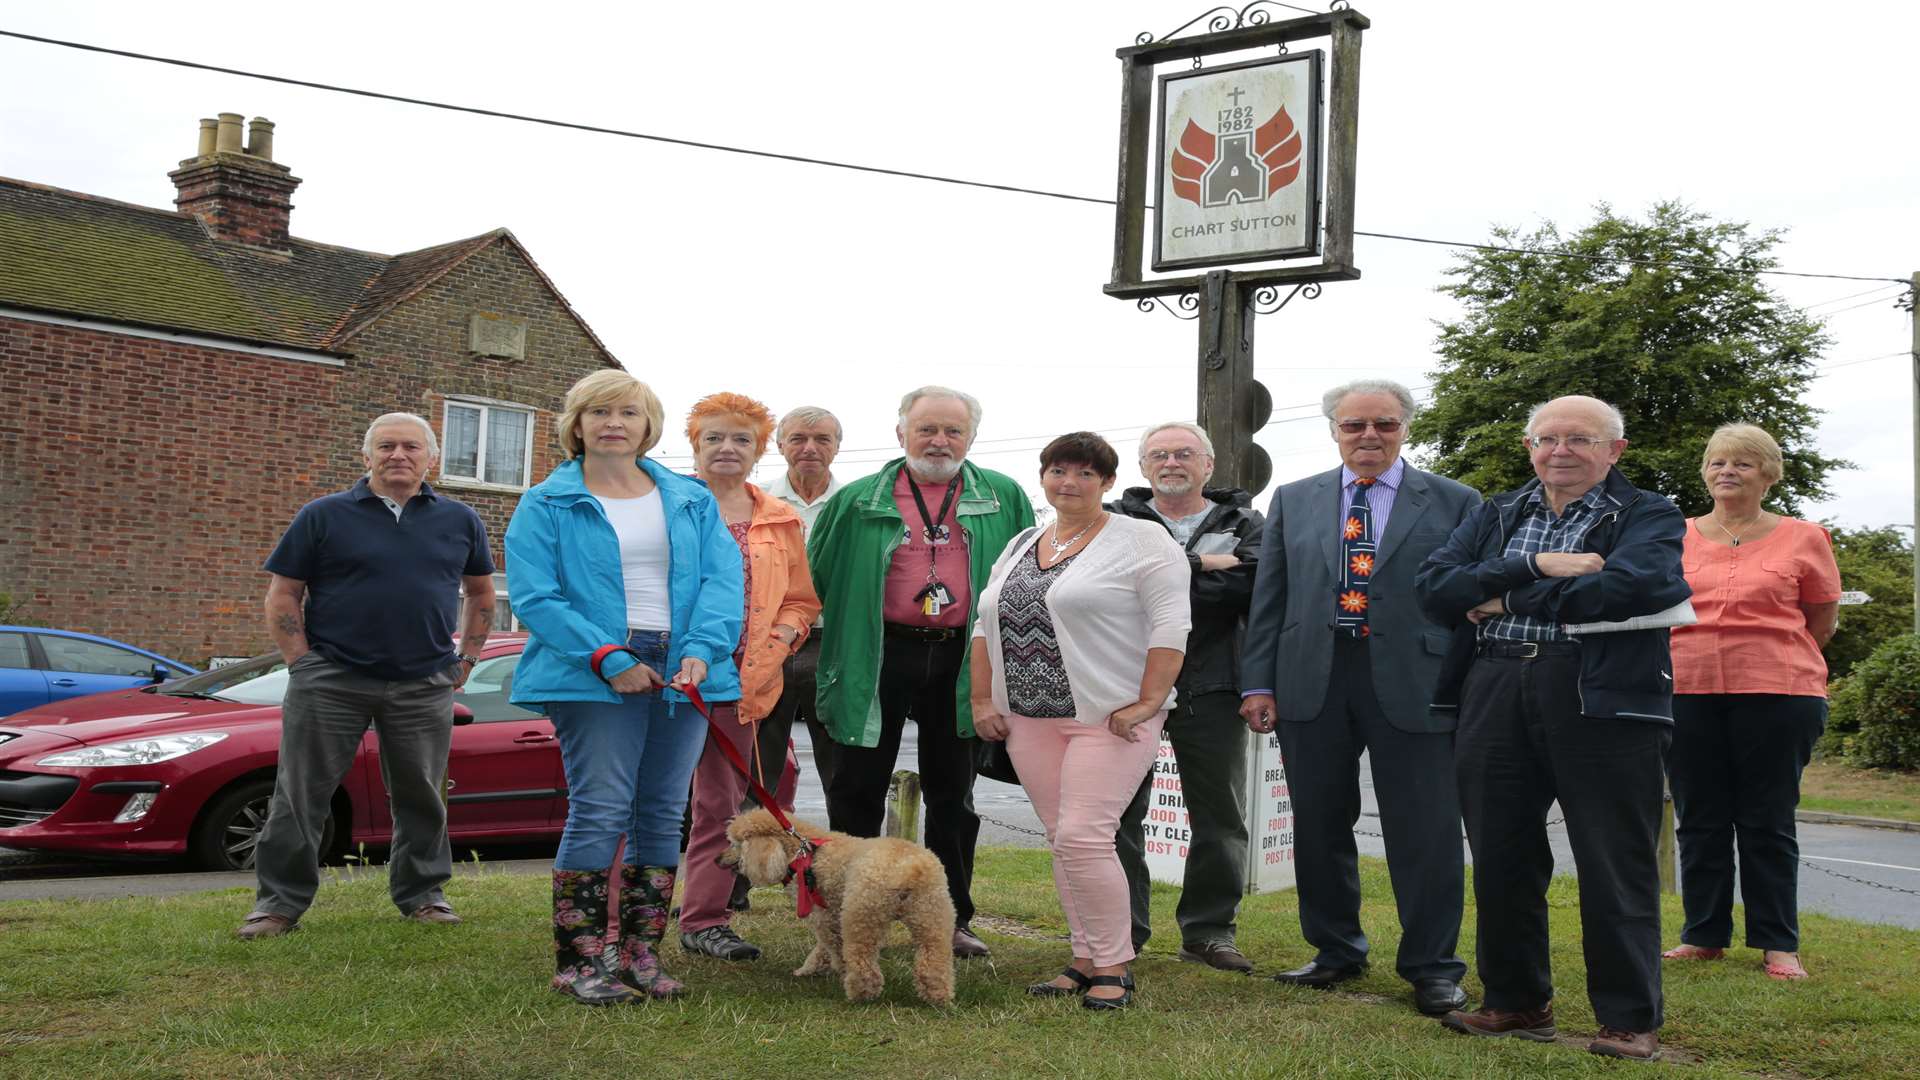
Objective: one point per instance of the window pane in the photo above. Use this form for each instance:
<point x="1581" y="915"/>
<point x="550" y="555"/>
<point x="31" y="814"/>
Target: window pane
<point x="487" y="690"/>
<point x="91" y="657"/>
<point x="502" y="606"/>
<point x="13" y="651"/>
<point x="506" y="447"/>
<point x="461" y="455"/>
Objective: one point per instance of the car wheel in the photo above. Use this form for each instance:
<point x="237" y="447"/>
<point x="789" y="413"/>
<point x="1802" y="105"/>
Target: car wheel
<point x="229" y="829"/>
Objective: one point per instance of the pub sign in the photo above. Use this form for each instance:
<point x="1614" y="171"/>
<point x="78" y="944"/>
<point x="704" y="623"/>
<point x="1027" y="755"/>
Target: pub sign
<point x="1239" y="163"/>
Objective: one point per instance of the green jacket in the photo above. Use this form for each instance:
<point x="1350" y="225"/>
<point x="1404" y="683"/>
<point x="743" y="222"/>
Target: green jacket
<point x="850" y="548"/>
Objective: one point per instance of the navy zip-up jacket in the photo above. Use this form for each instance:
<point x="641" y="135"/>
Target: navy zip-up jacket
<point x="1624" y="675"/>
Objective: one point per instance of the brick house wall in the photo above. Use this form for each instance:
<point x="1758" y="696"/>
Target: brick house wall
<point x="143" y="482"/>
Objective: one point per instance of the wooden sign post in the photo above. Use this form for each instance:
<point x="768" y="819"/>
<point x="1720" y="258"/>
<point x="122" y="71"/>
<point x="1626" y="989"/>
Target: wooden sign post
<point x="1246" y="172"/>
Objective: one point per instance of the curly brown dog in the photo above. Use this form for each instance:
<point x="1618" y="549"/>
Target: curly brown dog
<point x="867" y="883"/>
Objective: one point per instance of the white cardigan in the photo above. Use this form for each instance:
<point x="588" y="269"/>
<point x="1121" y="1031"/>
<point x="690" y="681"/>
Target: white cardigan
<point x="1124" y="593"/>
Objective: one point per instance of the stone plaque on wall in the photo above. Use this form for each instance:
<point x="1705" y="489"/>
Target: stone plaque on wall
<point x="497" y="335"/>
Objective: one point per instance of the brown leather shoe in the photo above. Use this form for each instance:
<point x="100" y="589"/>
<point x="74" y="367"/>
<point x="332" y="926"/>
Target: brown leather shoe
<point x="437" y="912"/>
<point x="1217" y="954"/>
<point x="1535" y="1025"/>
<point x="966" y="946"/>
<point x="262" y="925"/>
<point x="1637" y="1045"/>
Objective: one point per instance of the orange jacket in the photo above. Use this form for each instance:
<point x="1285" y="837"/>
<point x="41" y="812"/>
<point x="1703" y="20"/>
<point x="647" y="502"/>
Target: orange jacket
<point x="781" y="594"/>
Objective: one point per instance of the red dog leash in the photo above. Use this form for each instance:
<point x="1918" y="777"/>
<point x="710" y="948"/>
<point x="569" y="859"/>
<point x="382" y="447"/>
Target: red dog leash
<point x="808" y="892"/>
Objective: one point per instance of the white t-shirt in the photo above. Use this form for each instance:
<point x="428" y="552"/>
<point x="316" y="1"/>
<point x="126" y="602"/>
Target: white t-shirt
<point x="641" y="525"/>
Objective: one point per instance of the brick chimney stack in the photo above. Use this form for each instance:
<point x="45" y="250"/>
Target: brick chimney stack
<point x="239" y="193"/>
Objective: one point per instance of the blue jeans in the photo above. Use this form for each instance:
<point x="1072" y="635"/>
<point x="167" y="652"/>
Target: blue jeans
<point x="628" y="770"/>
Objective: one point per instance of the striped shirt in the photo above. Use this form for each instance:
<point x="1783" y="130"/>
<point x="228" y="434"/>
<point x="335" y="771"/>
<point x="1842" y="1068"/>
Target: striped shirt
<point x="1542" y="531"/>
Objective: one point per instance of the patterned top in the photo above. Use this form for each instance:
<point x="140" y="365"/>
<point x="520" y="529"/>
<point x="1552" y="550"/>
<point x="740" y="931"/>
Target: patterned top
<point x="739" y="531"/>
<point x="1029" y="650"/>
<point x="1541" y="531"/>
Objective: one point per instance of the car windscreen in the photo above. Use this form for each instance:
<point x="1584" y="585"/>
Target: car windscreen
<point x="259" y="681"/>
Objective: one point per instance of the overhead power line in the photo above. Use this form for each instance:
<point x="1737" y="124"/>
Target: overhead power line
<point x="599" y="129"/>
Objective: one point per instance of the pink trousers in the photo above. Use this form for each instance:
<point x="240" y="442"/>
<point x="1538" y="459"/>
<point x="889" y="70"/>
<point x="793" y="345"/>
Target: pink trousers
<point x="718" y="789"/>
<point x="1079" y="778"/>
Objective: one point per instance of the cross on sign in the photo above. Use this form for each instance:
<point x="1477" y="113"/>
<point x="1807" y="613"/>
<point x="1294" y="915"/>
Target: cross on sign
<point x="1236" y="96"/>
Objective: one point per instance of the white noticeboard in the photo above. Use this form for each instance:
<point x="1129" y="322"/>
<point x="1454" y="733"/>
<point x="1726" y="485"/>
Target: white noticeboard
<point x="1268" y="809"/>
<point x="1239" y="163"/>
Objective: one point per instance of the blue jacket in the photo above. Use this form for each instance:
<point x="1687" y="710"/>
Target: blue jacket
<point x="563" y="578"/>
<point x="1625" y="675"/>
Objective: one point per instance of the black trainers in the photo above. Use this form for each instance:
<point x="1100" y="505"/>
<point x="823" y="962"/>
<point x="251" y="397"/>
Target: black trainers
<point x="719" y="942"/>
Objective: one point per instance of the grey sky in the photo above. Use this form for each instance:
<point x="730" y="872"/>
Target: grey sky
<point x="798" y="284"/>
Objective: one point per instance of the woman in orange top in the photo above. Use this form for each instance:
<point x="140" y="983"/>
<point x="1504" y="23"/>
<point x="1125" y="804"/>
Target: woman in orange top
<point x="729" y="433"/>
<point x="1750" y="699"/>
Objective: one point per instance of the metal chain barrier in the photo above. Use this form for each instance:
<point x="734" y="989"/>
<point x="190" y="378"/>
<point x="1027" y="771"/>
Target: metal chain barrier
<point x="1860" y="881"/>
<point x="1010" y="827"/>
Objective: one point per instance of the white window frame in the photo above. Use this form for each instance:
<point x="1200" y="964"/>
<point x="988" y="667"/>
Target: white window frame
<point x="486" y="407"/>
<point x="500" y="599"/>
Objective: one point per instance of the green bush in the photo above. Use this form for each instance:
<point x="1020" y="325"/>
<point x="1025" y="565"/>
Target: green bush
<point x="1875" y="718"/>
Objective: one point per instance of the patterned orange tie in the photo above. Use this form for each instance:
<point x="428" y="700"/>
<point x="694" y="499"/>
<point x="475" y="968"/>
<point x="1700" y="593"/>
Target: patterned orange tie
<point x="1357" y="551"/>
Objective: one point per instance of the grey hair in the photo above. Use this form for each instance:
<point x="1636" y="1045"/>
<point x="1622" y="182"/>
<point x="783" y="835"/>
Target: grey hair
<point x="913" y="397"/>
<point x="433" y="444"/>
<point x="1330" y="400"/>
<point x="1613" y="422"/>
<point x="807" y="416"/>
<point x="1195" y="430"/>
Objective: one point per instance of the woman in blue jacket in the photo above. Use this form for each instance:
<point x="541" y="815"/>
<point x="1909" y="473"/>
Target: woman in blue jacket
<point x="630" y="585"/>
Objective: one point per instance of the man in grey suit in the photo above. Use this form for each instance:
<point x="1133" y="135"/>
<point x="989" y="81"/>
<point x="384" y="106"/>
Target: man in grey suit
<point x="1340" y="660"/>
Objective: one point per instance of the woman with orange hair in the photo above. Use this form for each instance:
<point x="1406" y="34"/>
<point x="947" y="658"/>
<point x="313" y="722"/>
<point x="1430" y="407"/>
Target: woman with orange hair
<point x="729" y="433"/>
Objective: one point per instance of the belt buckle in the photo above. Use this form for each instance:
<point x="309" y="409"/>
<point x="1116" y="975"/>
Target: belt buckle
<point x="1532" y="649"/>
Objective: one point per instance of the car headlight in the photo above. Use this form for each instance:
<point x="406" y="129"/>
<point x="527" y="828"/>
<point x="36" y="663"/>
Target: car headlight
<point x="134" y="751"/>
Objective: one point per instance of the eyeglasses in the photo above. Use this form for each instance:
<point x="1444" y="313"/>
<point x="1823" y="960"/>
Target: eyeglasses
<point x="1182" y="456"/>
<point x="1576" y="443"/>
<point x="1355" y="427"/>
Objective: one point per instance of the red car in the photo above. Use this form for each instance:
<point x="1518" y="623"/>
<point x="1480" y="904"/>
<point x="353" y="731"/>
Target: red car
<point x="186" y="767"/>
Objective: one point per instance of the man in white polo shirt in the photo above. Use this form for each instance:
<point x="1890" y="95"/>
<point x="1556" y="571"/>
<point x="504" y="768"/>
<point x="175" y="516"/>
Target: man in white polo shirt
<point x="809" y="438"/>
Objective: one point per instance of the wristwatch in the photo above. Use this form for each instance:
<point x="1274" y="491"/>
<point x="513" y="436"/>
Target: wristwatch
<point x="472" y="661"/>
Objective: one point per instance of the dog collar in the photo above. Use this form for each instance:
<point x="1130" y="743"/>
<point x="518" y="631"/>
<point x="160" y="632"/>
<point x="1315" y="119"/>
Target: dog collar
<point x="807" y="894"/>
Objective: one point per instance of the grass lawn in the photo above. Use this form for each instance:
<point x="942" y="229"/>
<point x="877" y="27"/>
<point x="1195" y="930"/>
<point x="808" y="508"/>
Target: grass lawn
<point x="1881" y="793"/>
<point x="160" y="988"/>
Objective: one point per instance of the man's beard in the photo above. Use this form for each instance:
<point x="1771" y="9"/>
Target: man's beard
<point x="934" y="470"/>
<point x="1174" y="487"/>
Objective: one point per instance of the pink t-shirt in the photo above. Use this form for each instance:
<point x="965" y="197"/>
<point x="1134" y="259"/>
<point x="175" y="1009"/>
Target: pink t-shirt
<point x="1752" y="637"/>
<point x="907" y="574"/>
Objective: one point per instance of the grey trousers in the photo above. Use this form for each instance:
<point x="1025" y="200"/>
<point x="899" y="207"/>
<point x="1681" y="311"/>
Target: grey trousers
<point x="1210" y="743"/>
<point x="327" y="709"/>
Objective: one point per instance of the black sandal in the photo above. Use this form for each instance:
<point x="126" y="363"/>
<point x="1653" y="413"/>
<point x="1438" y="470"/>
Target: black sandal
<point x="1124" y="982"/>
<point x="1046" y="989"/>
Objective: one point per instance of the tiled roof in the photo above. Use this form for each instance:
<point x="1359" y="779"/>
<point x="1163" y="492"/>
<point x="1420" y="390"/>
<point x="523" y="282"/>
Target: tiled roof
<point x="73" y="254"/>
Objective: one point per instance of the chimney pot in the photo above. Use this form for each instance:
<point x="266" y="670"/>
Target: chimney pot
<point x="260" y="138"/>
<point x="227" y="140"/>
<point x="208" y="129"/>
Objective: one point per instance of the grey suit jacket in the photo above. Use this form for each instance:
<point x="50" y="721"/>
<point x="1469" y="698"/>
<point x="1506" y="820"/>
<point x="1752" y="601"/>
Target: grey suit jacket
<point x="1289" y="642"/>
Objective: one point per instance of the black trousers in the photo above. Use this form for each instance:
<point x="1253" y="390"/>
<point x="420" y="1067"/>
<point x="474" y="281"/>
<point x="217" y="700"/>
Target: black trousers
<point x="917" y="680"/>
<point x="1413" y="781"/>
<point x="1210" y="743"/>
<point x="1521" y="744"/>
<point x="796" y="704"/>
<point x="1735" y="772"/>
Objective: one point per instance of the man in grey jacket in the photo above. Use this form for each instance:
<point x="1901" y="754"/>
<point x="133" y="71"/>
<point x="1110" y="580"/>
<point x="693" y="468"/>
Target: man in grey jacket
<point x="1341" y="660"/>
<point x="1221" y="533"/>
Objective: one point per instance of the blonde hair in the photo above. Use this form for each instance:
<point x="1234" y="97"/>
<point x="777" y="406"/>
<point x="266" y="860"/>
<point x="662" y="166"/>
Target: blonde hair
<point x="725" y="405"/>
<point x="609" y="387"/>
<point x="1746" y="439"/>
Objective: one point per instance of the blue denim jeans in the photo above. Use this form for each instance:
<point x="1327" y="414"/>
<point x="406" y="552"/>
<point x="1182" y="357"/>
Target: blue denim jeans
<point x="628" y="770"/>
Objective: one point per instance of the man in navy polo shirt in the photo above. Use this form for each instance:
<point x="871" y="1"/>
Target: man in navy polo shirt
<point x="364" y="587"/>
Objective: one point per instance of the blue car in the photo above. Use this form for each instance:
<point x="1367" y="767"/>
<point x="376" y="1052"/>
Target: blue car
<point x="38" y="665"/>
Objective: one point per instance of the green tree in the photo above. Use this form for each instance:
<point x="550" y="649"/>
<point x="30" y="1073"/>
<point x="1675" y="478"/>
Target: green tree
<point x="1664" y="318"/>
<point x="1878" y="562"/>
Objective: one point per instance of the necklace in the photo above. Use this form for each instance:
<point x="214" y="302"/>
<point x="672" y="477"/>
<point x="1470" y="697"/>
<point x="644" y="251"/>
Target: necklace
<point x="1733" y="538"/>
<point x="1059" y="547"/>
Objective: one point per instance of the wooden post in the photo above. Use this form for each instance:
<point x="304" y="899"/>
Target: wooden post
<point x="1668" y="853"/>
<point x="903" y="807"/>
<point x="1913" y="322"/>
<point x="1226" y="379"/>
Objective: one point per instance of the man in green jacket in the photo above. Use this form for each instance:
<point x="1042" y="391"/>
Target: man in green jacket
<point x="898" y="559"/>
